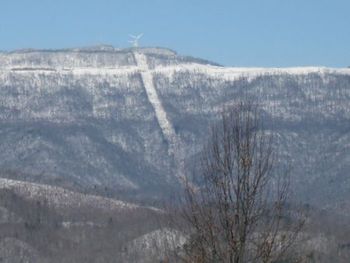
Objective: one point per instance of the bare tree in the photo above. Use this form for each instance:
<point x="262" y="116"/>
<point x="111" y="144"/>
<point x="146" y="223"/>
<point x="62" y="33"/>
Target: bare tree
<point x="236" y="213"/>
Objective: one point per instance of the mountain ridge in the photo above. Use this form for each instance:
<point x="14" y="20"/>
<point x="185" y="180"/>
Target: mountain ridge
<point x="89" y="119"/>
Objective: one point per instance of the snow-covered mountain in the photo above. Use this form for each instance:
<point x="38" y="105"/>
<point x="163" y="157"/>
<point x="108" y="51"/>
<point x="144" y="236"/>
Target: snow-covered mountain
<point x="129" y="122"/>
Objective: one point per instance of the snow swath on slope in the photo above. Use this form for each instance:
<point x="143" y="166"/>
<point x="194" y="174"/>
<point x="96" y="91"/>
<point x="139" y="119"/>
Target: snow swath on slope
<point x="161" y="115"/>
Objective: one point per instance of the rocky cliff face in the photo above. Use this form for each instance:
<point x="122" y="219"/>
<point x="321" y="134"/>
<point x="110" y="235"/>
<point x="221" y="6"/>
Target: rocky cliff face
<point x="128" y="121"/>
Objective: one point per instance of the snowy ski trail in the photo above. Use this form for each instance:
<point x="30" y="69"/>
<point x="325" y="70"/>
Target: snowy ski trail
<point x="161" y="115"/>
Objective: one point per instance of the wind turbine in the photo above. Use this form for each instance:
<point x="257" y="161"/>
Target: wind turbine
<point x="135" y="39"/>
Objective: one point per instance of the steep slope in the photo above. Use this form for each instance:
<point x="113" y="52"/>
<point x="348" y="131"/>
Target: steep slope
<point x="127" y="122"/>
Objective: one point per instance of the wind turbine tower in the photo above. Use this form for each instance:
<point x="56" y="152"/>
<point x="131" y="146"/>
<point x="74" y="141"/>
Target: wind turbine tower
<point x="135" y="40"/>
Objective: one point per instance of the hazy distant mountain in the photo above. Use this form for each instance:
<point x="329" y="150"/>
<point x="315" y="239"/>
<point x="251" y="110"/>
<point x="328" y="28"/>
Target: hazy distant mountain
<point x="127" y="122"/>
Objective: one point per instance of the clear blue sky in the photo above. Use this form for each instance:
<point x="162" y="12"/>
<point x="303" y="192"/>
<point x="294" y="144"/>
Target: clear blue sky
<point x="230" y="32"/>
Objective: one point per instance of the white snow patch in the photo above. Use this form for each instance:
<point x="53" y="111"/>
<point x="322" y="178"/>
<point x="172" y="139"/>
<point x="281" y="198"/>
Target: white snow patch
<point x="154" y="246"/>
